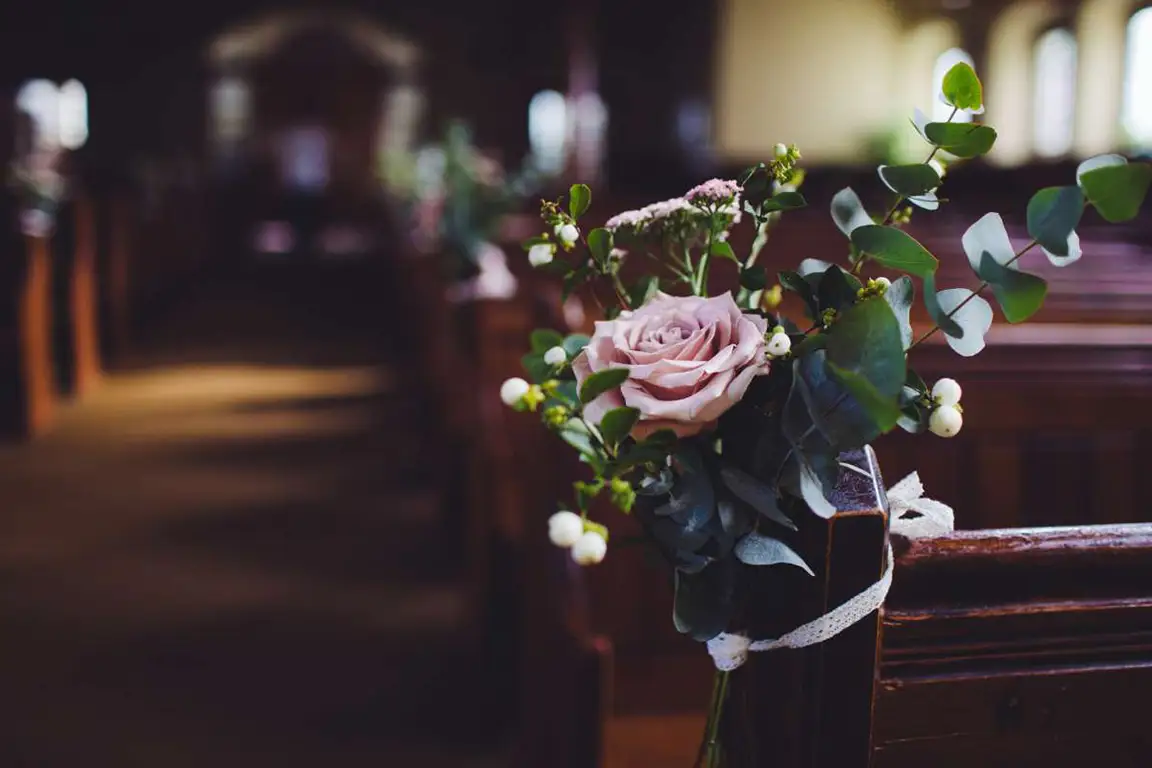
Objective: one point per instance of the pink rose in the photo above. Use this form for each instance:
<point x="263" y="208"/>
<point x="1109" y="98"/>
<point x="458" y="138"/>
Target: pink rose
<point x="689" y="360"/>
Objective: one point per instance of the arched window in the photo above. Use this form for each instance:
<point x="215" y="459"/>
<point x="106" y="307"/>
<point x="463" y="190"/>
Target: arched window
<point x="73" y="114"/>
<point x="945" y="62"/>
<point x="40" y="100"/>
<point x="230" y="110"/>
<point x="548" y="130"/>
<point x="1053" y="92"/>
<point x="1136" y="114"/>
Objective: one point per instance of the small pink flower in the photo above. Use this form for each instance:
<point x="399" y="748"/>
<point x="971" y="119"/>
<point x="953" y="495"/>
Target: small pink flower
<point x="689" y="360"/>
<point x="713" y="191"/>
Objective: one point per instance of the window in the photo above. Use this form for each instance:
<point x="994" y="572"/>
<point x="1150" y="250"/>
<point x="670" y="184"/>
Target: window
<point x="548" y="130"/>
<point x="1136" y="114"/>
<point x="945" y="62"/>
<point x="73" y="114"/>
<point x="1053" y="92"/>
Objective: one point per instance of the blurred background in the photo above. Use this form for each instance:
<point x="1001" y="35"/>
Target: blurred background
<point x="261" y="280"/>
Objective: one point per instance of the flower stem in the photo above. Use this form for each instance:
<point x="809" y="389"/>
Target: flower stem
<point x="710" y="752"/>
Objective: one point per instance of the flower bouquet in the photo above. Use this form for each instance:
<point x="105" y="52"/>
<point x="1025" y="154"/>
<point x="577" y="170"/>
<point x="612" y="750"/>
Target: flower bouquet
<point x="718" y="422"/>
<point x="39" y="187"/>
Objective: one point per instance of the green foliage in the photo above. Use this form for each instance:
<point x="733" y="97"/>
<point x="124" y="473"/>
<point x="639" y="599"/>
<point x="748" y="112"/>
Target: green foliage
<point x="883" y="411"/>
<point x="1020" y="294"/>
<point x="792" y="281"/>
<point x="961" y="139"/>
<point x="600" y="244"/>
<point x="1053" y="214"/>
<point x="894" y="248"/>
<point x="579" y="198"/>
<point x="759" y="496"/>
<point x="836" y="289"/>
<point x="600" y="382"/>
<point x="703" y="602"/>
<point x="544" y="339"/>
<point x="909" y="180"/>
<point x="901" y="294"/>
<point x="643" y="290"/>
<point x="574" y="344"/>
<point x="723" y="249"/>
<point x="783" y="201"/>
<point x="963" y="316"/>
<point x="866" y="340"/>
<point x="1117" y="191"/>
<point x="533" y="364"/>
<point x="962" y="88"/>
<point x="848" y="212"/>
<point x="617" y="423"/>
<point x="758" y="549"/>
<point x="754" y="278"/>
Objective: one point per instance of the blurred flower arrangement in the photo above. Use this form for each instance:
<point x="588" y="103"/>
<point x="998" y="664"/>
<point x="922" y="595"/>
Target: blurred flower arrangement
<point x="717" y="421"/>
<point x="456" y="198"/>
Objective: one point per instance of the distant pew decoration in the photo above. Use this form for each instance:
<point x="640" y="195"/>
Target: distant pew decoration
<point x="38" y="188"/>
<point x="718" y="422"/>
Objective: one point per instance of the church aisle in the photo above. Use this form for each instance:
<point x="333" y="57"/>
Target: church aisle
<point x="233" y="553"/>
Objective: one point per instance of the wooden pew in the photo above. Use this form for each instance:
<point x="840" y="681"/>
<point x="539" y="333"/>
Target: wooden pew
<point x="28" y="377"/>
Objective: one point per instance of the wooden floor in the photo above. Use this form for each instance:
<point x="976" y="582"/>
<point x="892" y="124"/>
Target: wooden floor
<point x="233" y="554"/>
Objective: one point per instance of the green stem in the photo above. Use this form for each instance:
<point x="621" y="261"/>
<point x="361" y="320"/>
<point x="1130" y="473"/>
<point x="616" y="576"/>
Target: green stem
<point x="701" y="282"/>
<point x="984" y="284"/>
<point x="712" y="752"/>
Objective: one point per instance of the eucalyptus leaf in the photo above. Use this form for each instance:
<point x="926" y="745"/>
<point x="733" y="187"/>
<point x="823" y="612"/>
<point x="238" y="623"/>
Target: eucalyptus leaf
<point x="811" y="490"/>
<point x="909" y="180"/>
<point x="961" y="139"/>
<point x="600" y="382"/>
<point x="964" y="318"/>
<point x="704" y="601"/>
<point x="543" y="339"/>
<point x="793" y="281"/>
<point x="1020" y="294"/>
<point x="928" y="201"/>
<point x="1117" y="191"/>
<point x="579" y="198"/>
<point x="895" y="249"/>
<point x="939" y="315"/>
<point x="837" y="289"/>
<point x="812" y="267"/>
<point x="1100" y="161"/>
<point x="576" y="434"/>
<point x="866" y="339"/>
<point x="574" y="344"/>
<point x="723" y="250"/>
<point x="617" y="423"/>
<point x="987" y="235"/>
<point x="754" y="278"/>
<point x="758" y="549"/>
<point x="901" y="294"/>
<point x="1072" y="256"/>
<point x="538" y="370"/>
<point x="1053" y="214"/>
<point x="783" y="201"/>
<point x="882" y="409"/>
<point x="760" y="496"/>
<point x="848" y="212"/>
<point x="961" y="87"/>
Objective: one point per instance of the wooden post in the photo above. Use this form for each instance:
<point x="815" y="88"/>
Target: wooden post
<point x="36" y="371"/>
<point x="812" y="707"/>
<point x="82" y="297"/>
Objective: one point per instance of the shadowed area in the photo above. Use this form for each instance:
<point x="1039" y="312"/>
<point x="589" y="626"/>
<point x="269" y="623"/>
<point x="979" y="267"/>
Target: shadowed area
<point x="234" y="552"/>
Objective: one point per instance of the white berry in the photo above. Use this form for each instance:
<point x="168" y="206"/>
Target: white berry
<point x="780" y="150"/>
<point x="512" y="390"/>
<point x="946" y="392"/>
<point x="883" y="281"/>
<point x="565" y="528"/>
<point x="541" y="254"/>
<point x="568" y="234"/>
<point x="946" y="421"/>
<point x="779" y="344"/>
<point x="589" y="549"/>
<point x="555" y="356"/>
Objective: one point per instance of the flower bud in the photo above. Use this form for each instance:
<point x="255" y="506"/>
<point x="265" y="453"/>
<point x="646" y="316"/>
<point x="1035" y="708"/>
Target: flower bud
<point x="555" y="356"/>
<point x="513" y="390"/>
<point x="945" y="421"/>
<point x="780" y="150"/>
<point x="568" y="234"/>
<point x="946" y="392"/>
<point x="590" y="548"/>
<point x="779" y="345"/>
<point x="541" y="254"/>
<point x="565" y="528"/>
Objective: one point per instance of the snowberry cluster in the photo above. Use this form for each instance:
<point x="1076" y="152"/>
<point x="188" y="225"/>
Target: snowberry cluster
<point x="947" y="416"/>
<point x="568" y="530"/>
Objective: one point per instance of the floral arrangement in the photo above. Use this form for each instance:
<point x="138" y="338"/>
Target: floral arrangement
<point x="39" y="187"/>
<point x="459" y="197"/>
<point x="717" y="421"/>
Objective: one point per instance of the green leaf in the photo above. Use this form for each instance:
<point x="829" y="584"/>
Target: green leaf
<point x="600" y="382"/>
<point x="792" y="281"/>
<point x="866" y="340"/>
<point x="909" y="180"/>
<point x="894" y="248"/>
<point x="576" y="434"/>
<point x="644" y="289"/>
<point x="579" y="198"/>
<point x="704" y="601"/>
<point x="1117" y="191"/>
<point x="901" y="294"/>
<point x="600" y="244"/>
<point x="962" y="87"/>
<point x="574" y="344"/>
<point x="963" y="317"/>
<point x="837" y="289"/>
<point x="543" y="339"/>
<point x="754" y="278"/>
<point x="848" y="212"/>
<point x="760" y="496"/>
<point x="617" y="423"/>
<point x="961" y="139"/>
<point x="1020" y="294"/>
<point x="884" y="411"/>
<point x="1053" y="214"/>
<point x="538" y="370"/>
<point x="949" y="326"/>
<point x="783" y="201"/>
<point x="758" y="549"/>
<point x="812" y="491"/>
<point x="538" y="240"/>
<point x="723" y="249"/>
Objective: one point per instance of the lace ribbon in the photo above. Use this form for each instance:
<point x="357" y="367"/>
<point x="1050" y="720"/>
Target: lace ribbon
<point x="730" y="650"/>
